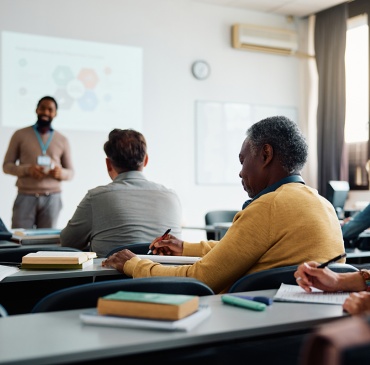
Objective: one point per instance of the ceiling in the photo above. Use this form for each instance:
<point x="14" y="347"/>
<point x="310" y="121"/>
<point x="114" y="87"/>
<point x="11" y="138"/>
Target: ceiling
<point x="299" y="8"/>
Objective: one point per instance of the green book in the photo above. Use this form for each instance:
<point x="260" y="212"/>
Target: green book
<point x="148" y="305"/>
<point x="174" y="299"/>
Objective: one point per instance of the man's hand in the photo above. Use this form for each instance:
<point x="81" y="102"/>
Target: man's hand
<point x="56" y="172"/>
<point x="117" y="260"/>
<point x="37" y="172"/>
<point x="169" y="245"/>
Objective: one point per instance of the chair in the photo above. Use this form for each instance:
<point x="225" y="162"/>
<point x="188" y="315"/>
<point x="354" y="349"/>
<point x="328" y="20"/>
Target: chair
<point x="218" y="216"/>
<point x="3" y="311"/>
<point x="14" y="255"/>
<point x="86" y="295"/>
<point x="272" y="278"/>
<point x="137" y="248"/>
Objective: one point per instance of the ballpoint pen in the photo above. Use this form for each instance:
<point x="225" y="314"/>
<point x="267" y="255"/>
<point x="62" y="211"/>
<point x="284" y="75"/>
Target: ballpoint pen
<point x="163" y="236"/>
<point x="324" y="264"/>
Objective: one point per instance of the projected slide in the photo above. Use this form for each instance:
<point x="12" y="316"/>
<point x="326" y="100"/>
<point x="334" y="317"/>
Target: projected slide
<point x="98" y="86"/>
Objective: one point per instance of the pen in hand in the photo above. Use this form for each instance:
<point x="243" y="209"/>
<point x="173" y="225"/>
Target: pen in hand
<point x="163" y="236"/>
<point x="321" y="266"/>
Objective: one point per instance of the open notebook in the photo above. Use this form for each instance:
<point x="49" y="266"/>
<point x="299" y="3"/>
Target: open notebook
<point x="294" y="293"/>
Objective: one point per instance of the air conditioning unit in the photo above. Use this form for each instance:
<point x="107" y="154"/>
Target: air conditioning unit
<point x="264" y="39"/>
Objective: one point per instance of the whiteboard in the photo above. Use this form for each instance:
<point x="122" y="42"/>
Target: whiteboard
<point x="220" y="132"/>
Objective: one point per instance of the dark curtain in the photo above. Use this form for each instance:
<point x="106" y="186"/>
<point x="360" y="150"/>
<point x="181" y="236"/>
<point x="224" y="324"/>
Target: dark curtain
<point x="330" y="45"/>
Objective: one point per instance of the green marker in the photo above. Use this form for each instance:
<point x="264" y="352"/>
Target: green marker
<point x="245" y="303"/>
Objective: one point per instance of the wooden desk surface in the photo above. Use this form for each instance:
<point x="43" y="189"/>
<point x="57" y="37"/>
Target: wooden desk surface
<point x="31" y="275"/>
<point x="60" y="337"/>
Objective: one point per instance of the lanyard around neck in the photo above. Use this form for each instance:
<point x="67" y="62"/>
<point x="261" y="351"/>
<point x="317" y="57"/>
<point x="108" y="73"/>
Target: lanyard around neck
<point x="43" y="146"/>
<point x="273" y="187"/>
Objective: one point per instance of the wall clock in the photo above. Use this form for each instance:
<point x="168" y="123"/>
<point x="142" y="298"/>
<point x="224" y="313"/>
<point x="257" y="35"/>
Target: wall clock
<point x="200" y="70"/>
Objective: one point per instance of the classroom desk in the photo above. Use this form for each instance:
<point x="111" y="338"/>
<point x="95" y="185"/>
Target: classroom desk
<point x="91" y="272"/>
<point x="22" y="290"/>
<point x="227" y="335"/>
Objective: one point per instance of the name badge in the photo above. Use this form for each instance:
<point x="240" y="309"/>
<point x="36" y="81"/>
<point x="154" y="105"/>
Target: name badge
<point x="44" y="161"/>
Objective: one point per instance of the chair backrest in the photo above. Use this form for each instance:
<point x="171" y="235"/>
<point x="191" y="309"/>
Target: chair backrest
<point x="15" y="254"/>
<point x="137" y="248"/>
<point x="3" y="311"/>
<point x="272" y="278"/>
<point x="218" y="216"/>
<point x="86" y="295"/>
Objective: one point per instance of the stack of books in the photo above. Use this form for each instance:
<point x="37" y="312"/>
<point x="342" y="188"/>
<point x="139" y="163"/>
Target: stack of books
<point x="57" y="260"/>
<point x="174" y="312"/>
<point x="36" y="236"/>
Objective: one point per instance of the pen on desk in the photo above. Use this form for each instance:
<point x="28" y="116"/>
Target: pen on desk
<point x="163" y="236"/>
<point x="321" y="266"/>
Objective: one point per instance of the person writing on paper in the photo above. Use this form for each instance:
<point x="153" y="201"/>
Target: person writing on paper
<point x="284" y="223"/>
<point x="308" y="275"/>
<point x="40" y="157"/>
<point x="130" y="209"/>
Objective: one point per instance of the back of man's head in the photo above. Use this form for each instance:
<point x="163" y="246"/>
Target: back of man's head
<point x="286" y="139"/>
<point x="126" y="148"/>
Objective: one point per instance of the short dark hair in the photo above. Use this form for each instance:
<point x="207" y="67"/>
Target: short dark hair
<point x="286" y="139"/>
<point x="48" y="98"/>
<point x="126" y="148"/>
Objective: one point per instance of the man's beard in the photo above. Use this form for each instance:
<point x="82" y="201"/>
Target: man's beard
<point x="43" y="123"/>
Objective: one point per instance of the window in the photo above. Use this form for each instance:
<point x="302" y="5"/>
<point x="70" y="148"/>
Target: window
<point x="357" y="101"/>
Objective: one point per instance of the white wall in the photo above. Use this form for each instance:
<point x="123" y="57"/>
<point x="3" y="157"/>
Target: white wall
<point x="172" y="33"/>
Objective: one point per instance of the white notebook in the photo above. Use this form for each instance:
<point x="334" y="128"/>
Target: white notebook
<point x="294" y="293"/>
<point x="184" y="324"/>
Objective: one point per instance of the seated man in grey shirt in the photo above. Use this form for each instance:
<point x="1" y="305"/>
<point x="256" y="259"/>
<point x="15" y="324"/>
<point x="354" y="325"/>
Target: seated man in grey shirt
<point x="131" y="209"/>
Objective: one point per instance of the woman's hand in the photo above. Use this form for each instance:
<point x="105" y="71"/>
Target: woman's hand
<point x="308" y="275"/>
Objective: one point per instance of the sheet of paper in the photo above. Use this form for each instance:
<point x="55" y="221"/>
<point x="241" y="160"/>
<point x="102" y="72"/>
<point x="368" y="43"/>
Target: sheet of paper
<point x="294" y="293"/>
<point x="7" y="271"/>
<point x="176" y="260"/>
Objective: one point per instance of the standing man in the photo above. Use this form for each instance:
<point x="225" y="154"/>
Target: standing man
<point x="130" y="209"/>
<point x="41" y="158"/>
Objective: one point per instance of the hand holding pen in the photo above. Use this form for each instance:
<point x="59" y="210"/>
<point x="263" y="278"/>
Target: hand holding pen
<point x="311" y="274"/>
<point x="161" y="238"/>
<point x="167" y="245"/>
